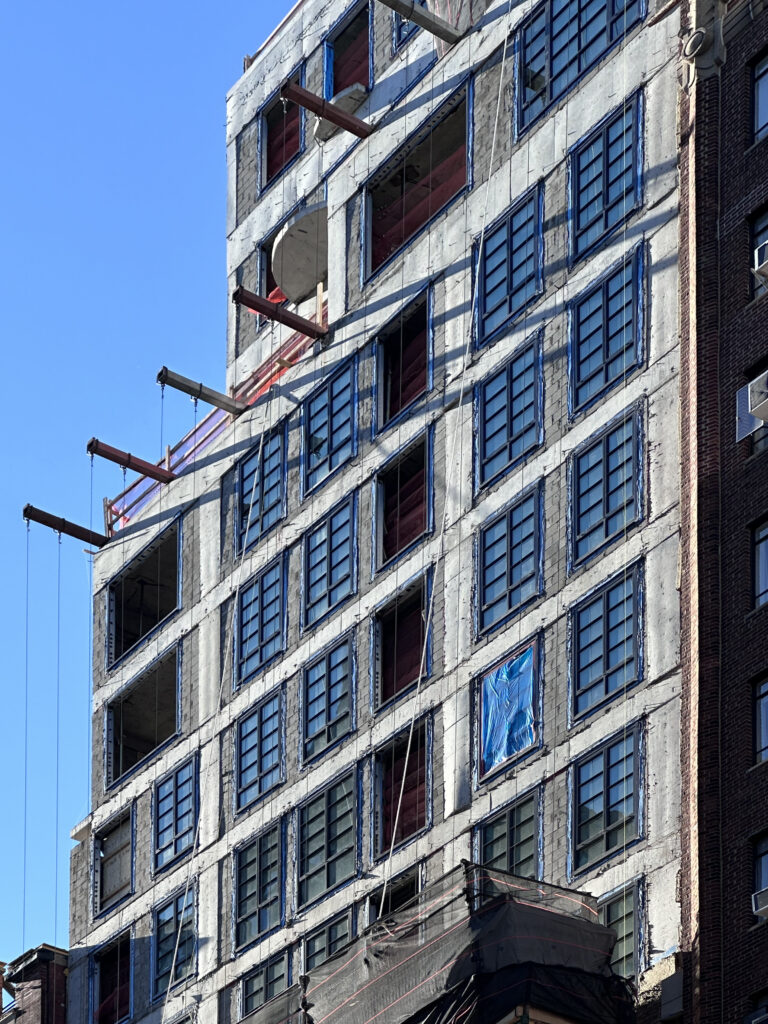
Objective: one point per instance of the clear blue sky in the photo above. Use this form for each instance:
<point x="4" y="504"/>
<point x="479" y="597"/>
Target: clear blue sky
<point x="112" y="253"/>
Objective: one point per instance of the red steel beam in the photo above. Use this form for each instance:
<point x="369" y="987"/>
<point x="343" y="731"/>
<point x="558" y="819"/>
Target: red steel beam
<point x="330" y="111"/>
<point x="258" y="304"/>
<point x="128" y="461"/>
<point x="60" y="525"/>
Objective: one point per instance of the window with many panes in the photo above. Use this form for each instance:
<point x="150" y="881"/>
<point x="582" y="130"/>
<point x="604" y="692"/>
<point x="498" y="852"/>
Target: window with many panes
<point x="606" y="791"/>
<point x="403" y="360"/>
<point x="759" y="232"/>
<point x="261" y="499"/>
<point x="175" y="814"/>
<point x="510" y="265"/>
<point x="509" y="424"/>
<point x="401" y="789"/>
<point x="329" y="426"/>
<point x="260" y="632"/>
<point x="760" y="564"/>
<point x="174" y="958"/>
<point x="760" y="100"/>
<point x="347" y="55"/>
<point x="604" y="342"/>
<point x="606" y="486"/>
<point x="327" y="839"/>
<point x="619" y="913"/>
<point x="281" y="136"/>
<point x="560" y="40"/>
<point x="258" y="751"/>
<point x="257" y="886"/>
<point x="606" y="630"/>
<point x="328" y="698"/>
<point x="267" y="981"/>
<point x="321" y="944"/>
<point x="508" y="561"/>
<point x="399" y="630"/>
<point x="509" y="842"/>
<point x="329" y="562"/>
<point x="112" y="981"/>
<point x="402" y="501"/>
<point x="604" y="178"/>
<point x="761" y="721"/>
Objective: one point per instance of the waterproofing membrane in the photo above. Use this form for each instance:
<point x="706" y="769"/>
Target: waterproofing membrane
<point x="506" y="711"/>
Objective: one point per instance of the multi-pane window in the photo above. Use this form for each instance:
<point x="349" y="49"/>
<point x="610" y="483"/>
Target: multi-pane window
<point x="257" y="887"/>
<point x="112" y="982"/>
<point x="761" y="721"/>
<point x="403" y="358"/>
<point x="510" y="265"/>
<point x="323" y="942"/>
<point x="508" y="841"/>
<point x="508" y="561"/>
<point x="268" y="980"/>
<point x="175" y="814"/>
<point x="401" y="805"/>
<point x="347" y="56"/>
<point x="760" y="564"/>
<point x="402" y="28"/>
<point x="329" y="426"/>
<point x="328" y="699"/>
<point x="402" y="501"/>
<point x="258" y="751"/>
<point x="560" y="40"/>
<point x="329" y="562"/>
<point x="261" y="491"/>
<point x="327" y="839"/>
<point x="618" y="913"/>
<point x="281" y="137"/>
<point x="606" y="796"/>
<point x="759" y="253"/>
<point x="399" y="631"/>
<point x="605" y="487"/>
<point x="113" y="875"/>
<point x="260" y="634"/>
<point x="174" y="957"/>
<point x="605" y="344"/>
<point x="760" y="100"/>
<point x="605" y="179"/>
<point x="760" y="851"/>
<point x="508" y="414"/>
<point x="605" y="642"/>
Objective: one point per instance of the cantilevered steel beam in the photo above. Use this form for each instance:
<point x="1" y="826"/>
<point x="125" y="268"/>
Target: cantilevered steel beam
<point x="273" y="311"/>
<point x="128" y="461"/>
<point x="425" y="19"/>
<point x="60" y="525"/>
<point x="330" y="111"/>
<point x="190" y="387"/>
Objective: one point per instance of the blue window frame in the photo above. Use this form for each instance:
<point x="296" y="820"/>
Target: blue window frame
<point x="402" y="28"/>
<point x="265" y="982"/>
<point x="511" y="264"/>
<point x="508" y="562"/>
<point x="606" y="641"/>
<point x="282" y="134"/>
<point x="760" y="100"/>
<point x="321" y="944"/>
<point x="509" y="414"/>
<point x="175" y="814"/>
<point x="259" y="750"/>
<point x="560" y="40"/>
<point x="509" y="841"/>
<point x="328" y="699"/>
<point x="605" y="328"/>
<point x="327" y="839"/>
<point x="620" y="912"/>
<point x="606" y="795"/>
<point x="606" y="487"/>
<point x="262" y="487"/>
<point x="174" y="958"/>
<point x="258" y="886"/>
<point x="605" y="179"/>
<point x="329" y="562"/>
<point x="112" y="991"/>
<point x="347" y="54"/>
<point x="507" y="711"/>
<point x="260" y="634"/>
<point x="329" y="426"/>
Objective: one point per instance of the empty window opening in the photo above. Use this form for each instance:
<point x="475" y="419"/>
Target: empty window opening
<point x="402" y="502"/>
<point x="269" y="285"/>
<point x="403" y="361"/>
<point x="348" y="54"/>
<point x="400" y="631"/>
<point x="399" y="893"/>
<point x="417" y="184"/>
<point x="282" y="136"/>
<point x="144" y="594"/>
<point x="401" y="817"/>
<point x="321" y="944"/>
<point x="113" y="981"/>
<point x="112" y="867"/>
<point x="142" y="717"/>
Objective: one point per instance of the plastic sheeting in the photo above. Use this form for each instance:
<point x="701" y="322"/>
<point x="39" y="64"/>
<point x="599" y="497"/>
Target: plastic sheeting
<point x="506" y="711"/>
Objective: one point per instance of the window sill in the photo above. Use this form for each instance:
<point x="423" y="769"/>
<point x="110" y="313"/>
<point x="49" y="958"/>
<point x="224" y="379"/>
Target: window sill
<point x="757" y="767"/>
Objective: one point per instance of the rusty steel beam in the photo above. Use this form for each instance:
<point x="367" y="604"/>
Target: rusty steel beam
<point x="330" y="111"/>
<point x="60" y="525"/>
<point x="128" y="461"/>
<point x="419" y="15"/>
<point x="273" y="311"/>
<point x="195" y="390"/>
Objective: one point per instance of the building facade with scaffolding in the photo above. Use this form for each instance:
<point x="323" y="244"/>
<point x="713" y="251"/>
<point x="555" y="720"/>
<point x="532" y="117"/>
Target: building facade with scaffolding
<point x="387" y="653"/>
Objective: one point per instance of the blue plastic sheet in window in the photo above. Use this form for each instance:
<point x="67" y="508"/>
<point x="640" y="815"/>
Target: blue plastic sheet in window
<point x="506" y="711"/>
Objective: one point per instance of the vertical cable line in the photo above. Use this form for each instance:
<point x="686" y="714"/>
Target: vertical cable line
<point x="58" y="733"/>
<point x="26" y="753"/>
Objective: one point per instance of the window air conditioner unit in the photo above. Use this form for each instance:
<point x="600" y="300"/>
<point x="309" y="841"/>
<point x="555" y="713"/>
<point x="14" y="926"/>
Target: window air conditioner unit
<point x="758" y="394"/>
<point x="760" y="907"/>
<point x="761" y="261"/>
<point x="751" y="406"/>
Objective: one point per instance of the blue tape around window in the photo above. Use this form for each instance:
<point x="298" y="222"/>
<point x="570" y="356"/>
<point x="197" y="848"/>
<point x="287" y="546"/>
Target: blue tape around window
<point x="506" y="711"/>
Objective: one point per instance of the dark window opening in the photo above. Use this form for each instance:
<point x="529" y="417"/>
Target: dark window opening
<point x="269" y="286"/>
<point x="282" y="136"/>
<point x="760" y="564"/>
<point x="112" y="870"/>
<point x="399" y="893"/>
<point x="760" y="100"/>
<point x="113" y="982"/>
<point x="400" y="631"/>
<point x="349" y="64"/>
<point x="403" y="359"/>
<point x="417" y="184"/>
<point x="403" y="502"/>
<point x="142" y="717"/>
<point x="761" y="721"/>
<point x="760" y="864"/>
<point x="401" y="817"/>
<point x="144" y="594"/>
